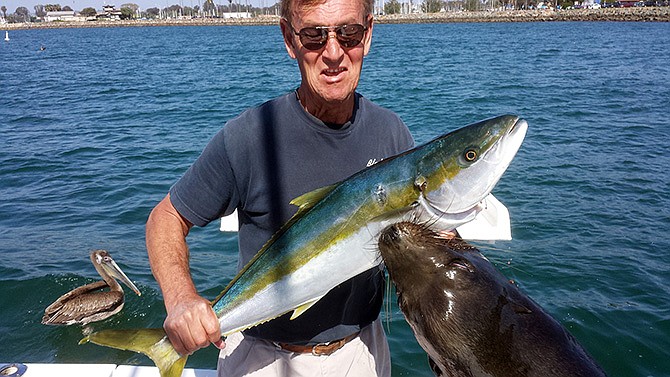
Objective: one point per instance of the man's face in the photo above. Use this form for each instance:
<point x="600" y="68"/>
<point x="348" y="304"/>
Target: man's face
<point x="329" y="74"/>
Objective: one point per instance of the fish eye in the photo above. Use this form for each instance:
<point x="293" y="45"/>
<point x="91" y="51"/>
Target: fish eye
<point x="470" y="155"/>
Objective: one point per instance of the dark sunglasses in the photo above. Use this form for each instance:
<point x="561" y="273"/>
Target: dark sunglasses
<point x="314" y="38"/>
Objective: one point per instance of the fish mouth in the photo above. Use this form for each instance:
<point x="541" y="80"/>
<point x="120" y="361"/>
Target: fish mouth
<point x="520" y="126"/>
<point x="516" y="133"/>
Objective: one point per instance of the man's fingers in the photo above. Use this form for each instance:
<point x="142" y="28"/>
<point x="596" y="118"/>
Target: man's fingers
<point x="211" y="325"/>
<point x="192" y="326"/>
<point x="198" y="336"/>
<point x="176" y="340"/>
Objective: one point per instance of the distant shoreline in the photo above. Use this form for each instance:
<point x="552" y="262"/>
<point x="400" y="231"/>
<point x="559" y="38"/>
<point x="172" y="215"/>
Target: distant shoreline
<point x="635" y="14"/>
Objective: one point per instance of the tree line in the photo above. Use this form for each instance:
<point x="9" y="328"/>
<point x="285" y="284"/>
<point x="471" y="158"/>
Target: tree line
<point x="210" y="9"/>
<point x="435" y="6"/>
<point x="133" y="11"/>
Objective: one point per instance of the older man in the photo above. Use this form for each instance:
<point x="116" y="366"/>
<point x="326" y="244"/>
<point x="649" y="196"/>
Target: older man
<point x="312" y="137"/>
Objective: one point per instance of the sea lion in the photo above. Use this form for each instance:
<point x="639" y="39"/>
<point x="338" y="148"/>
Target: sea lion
<point x="469" y="318"/>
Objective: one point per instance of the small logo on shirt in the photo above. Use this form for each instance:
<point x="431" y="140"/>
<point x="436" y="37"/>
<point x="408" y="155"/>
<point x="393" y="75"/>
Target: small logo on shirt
<point x="371" y="162"/>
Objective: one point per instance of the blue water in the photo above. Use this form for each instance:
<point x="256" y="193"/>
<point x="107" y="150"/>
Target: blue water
<point x="95" y="129"/>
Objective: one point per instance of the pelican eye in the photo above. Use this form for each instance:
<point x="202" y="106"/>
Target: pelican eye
<point x="470" y="155"/>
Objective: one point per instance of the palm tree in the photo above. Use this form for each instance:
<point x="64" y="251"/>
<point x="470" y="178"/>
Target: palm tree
<point x="4" y="11"/>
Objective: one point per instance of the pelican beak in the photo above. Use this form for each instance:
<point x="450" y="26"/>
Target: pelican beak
<point x="114" y="270"/>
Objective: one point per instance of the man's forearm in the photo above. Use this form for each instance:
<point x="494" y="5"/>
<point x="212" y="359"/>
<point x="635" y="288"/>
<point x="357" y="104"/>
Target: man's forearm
<point x="166" y="233"/>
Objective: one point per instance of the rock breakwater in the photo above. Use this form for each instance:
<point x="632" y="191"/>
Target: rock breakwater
<point x="637" y="14"/>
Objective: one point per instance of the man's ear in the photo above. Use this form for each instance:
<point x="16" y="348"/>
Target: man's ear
<point x="289" y="40"/>
<point x="367" y="40"/>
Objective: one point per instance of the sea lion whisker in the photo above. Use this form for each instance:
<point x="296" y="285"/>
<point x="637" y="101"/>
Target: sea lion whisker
<point x="388" y="313"/>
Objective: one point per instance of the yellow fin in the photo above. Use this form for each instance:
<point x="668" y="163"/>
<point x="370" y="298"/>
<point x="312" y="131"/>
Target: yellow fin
<point x="151" y="342"/>
<point x="304" y="307"/>
<point x="307" y="200"/>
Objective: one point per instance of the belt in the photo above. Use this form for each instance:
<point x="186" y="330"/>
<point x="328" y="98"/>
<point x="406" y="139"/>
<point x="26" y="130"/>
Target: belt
<point x="321" y="349"/>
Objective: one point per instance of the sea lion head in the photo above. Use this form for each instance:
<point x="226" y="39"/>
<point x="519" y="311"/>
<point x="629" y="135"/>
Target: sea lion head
<point x="414" y="253"/>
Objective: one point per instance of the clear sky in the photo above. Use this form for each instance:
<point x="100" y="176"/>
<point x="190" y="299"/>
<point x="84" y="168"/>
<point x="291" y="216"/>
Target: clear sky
<point x="144" y="4"/>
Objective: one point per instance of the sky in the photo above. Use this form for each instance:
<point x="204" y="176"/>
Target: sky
<point x="144" y="4"/>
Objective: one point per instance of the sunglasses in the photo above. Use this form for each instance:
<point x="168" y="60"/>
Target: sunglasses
<point x="314" y="38"/>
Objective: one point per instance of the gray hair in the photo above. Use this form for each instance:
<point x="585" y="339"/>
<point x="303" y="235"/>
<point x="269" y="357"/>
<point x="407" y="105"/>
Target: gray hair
<point x="288" y="6"/>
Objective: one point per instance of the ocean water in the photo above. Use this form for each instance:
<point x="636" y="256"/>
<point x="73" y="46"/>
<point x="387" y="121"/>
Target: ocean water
<point x="95" y="129"/>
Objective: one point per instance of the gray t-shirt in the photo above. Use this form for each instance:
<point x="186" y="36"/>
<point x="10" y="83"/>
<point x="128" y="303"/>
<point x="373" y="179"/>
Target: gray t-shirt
<point x="271" y="154"/>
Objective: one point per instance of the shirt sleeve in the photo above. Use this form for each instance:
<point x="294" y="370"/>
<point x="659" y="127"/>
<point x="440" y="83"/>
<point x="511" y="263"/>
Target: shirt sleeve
<point x="207" y="190"/>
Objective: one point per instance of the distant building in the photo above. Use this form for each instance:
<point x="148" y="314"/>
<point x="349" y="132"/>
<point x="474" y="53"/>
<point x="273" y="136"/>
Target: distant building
<point x="109" y="13"/>
<point x="65" y="15"/>
<point x="236" y="15"/>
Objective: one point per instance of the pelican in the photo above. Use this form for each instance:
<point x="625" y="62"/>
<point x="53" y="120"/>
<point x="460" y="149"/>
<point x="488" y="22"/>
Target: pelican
<point x="89" y="303"/>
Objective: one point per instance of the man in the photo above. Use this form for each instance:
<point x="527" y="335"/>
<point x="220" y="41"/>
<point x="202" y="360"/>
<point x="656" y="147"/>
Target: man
<point x="318" y="135"/>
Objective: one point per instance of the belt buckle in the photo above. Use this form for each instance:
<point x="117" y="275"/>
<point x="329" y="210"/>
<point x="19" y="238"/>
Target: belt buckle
<point x="316" y="352"/>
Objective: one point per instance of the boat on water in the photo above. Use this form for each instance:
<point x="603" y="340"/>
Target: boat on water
<point x="90" y="370"/>
<point x="7" y="35"/>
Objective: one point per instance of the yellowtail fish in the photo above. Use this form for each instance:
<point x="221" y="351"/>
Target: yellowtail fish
<point x="333" y="235"/>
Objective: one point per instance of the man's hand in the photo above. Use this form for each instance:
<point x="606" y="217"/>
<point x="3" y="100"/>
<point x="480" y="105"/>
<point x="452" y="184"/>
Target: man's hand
<point x="191" y="324"/>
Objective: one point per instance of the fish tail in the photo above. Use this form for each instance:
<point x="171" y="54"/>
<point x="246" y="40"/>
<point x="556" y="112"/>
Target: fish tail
<point x="151" y="342"/>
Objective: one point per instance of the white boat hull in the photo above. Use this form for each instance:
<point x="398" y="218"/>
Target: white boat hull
<point x="91" y="370"/>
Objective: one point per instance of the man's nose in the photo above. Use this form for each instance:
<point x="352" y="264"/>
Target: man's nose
<point x="333" y="48"/>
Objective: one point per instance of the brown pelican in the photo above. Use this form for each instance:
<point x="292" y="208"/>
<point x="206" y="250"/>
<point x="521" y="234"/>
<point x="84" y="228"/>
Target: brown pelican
<point x="89" y="303"/>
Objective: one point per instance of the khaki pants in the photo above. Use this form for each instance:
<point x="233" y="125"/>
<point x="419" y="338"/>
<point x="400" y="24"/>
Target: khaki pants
<point x="366" y="355"/>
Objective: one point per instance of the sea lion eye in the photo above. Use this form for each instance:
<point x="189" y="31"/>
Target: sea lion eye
<point x="470" y="155"/>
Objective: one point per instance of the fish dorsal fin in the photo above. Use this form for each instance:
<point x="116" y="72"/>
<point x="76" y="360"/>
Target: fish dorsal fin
<point x="308" y="200"/>
<point x="304" y="307"/>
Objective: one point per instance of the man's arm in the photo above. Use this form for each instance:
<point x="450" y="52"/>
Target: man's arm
<point x="190" y="323"/>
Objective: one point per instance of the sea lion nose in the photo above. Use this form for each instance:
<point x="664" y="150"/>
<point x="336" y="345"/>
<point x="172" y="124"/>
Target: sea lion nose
<point x="390" y="234"/>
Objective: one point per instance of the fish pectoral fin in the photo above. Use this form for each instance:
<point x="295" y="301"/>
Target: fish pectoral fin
<point x="151" y="342"/>
<point x="490" y="224"/>
<point x="304" y="307"/>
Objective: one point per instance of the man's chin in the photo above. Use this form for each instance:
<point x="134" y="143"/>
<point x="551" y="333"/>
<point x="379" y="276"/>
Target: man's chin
<point x="338" y="96"/>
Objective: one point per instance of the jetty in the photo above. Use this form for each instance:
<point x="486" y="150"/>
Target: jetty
<point x="633" y="14"/>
